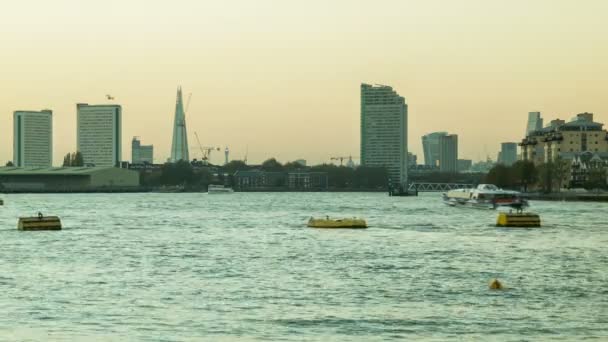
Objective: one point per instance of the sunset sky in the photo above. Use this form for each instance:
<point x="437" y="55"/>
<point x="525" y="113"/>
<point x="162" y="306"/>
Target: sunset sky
<point x="281" y="78"/>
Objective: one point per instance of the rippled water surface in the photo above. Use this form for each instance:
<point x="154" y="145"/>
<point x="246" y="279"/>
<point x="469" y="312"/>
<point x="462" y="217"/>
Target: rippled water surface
<point x="184" y="267"/>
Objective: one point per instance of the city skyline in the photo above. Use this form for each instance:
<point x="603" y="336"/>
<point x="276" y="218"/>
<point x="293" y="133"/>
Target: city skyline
<point x="472" y="68"/>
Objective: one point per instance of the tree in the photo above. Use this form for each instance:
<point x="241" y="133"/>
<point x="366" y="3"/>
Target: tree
<point x="370" y="177"/>
<point x="561" y="169"/>
<point x="234" y="166"/>
<point x="67" y="160"/>
<point x="9" y="163"/>
<point x="77" y="159"/>
<point x="73" y="159"/>
<point x="293" y="166"/>
<point x="596" y="179"/>
<point x="337" y="176"/>
<point x="501" y="176"/>
<point x="272" y="165"/>
<point x="179" y="173"/>
<point x="525" y="173"/>
<point x="545" y="172"/>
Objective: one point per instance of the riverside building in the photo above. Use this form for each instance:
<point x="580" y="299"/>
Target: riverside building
<point x="99" y="134"/>
<point x="566" y="140"/>
<point x="33" y="138"/>
<point x="141" y="154"/>
<point x="448" y="153"/>
<point x="384" y="131"/>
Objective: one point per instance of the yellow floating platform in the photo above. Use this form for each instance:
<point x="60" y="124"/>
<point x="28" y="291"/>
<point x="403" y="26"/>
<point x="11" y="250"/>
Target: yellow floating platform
<point x="39" y="223"/>
<point x="338" y="223"/>
<point x="520" y="220"/>
<point x="495" y="284"/>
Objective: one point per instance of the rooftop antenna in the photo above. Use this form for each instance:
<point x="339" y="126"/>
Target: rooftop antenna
<point x="246" y="153"/>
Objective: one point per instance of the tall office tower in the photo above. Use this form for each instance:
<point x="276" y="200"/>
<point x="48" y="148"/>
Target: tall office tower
<point x="179" y="147"/>
<point x="508" y="153"/>
<point x="141" y="154"/>
<point x="384" y="131"/>
<point x="33" y="138"/>
<point x="99" y="134"/>
<point x="448" y="153"/>
<point x="535" y="122"/>
<point x="430" y="147"/>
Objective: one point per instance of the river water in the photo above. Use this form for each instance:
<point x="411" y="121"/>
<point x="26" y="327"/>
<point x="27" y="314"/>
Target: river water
<point x="190" y="267"/>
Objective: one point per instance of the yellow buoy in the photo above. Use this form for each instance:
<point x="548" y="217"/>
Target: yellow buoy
<point x="495" y="284"/>
<point x="338" y="223"/>
<point x="39" y="222"/>
<point x="521" y="220"/>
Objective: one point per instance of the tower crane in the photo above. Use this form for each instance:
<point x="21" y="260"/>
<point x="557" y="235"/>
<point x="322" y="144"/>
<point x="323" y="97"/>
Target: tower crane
<point x="188" y="103"/>
<point x="349" y="159"/>
<point x="341" y="159"/>
<point x="205" y="150"/>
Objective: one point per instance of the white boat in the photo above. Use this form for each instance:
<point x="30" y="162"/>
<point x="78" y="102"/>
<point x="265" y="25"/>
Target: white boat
<point x="485" y="196"/>
<point x="219" y="189"/>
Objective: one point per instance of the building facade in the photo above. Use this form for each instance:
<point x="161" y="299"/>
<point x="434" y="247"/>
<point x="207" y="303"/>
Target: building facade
<point x="448" y="153"/>
<point x="384" y="131"/>
<point x="464" y="165"/>
<point x="535" y="122"/>
<point x="99" y="134"/>
<point x="179" y="144"/>
<point x="33" y="138"/>
<point x="508" y="153"/>
<point x="141" y="154"/>
<point x="67" y="179"/>
<point x="430" y="147"/>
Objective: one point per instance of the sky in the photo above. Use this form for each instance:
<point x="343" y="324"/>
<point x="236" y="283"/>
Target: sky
<point x="281" y="78"/>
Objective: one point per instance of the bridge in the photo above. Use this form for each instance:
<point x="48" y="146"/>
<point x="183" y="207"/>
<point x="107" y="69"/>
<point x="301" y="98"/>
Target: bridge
<point x="437" y="187"/>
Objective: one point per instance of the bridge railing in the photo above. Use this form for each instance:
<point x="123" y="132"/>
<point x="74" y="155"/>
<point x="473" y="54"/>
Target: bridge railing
<point x="438" y="187"/>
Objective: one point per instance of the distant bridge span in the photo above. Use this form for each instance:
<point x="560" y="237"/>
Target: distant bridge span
<point x="437" y="187"/>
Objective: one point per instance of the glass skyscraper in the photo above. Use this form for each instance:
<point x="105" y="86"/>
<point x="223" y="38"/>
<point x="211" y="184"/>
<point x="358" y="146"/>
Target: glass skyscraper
<point x="179" y="145"/>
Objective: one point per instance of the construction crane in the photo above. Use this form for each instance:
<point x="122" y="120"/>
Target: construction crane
<point x="341" y="159"/>
<point x="188" y="103"/>
<point x="205" y="150"/>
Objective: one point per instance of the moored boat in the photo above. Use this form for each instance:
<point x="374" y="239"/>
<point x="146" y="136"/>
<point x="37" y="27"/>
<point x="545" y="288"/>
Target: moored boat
<point x="219" y="189"/>
<point x="485" y="196"/>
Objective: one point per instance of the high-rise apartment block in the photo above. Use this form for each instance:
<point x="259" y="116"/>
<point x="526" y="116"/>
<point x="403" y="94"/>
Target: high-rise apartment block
<point x="141" y="154"/>
<point x="448" y="153"/>
<point x="384" y="131"/>
<point x="99" y="134"/>
<point x="33" y="138"/>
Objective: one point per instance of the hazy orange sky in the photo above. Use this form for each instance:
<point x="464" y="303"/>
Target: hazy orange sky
<point x="282" y="77"/>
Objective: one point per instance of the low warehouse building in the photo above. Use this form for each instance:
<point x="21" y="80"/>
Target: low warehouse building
<point x="67" y="179"/>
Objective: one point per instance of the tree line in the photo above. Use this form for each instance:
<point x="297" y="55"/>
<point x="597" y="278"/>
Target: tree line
<point x="183" y="173"/>
<point x="547" y="177"/>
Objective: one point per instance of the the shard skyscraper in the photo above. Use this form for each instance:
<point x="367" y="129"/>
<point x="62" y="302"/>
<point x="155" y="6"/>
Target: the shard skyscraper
<point x="179" y="147"/>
